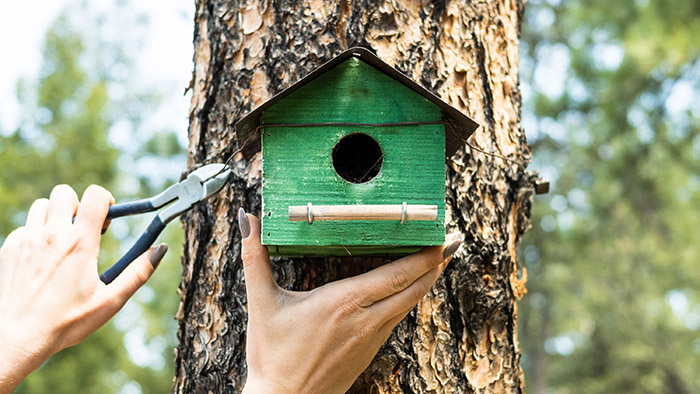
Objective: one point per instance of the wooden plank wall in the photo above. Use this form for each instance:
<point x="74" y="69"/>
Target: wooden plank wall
<point x="298" y="168"/>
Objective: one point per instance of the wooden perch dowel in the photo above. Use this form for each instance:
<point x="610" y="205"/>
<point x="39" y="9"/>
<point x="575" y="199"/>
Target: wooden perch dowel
<point x="300" y="213"/>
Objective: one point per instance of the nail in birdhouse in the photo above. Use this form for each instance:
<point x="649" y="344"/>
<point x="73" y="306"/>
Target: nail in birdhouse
<point x="353" y="160"/>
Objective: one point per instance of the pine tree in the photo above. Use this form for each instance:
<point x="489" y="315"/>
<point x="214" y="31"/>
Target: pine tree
<point x="462" y="337"/>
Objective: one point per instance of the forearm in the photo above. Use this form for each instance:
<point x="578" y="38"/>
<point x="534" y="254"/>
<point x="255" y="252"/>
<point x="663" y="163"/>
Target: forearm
<point x="21" y="352"/>
<point x="258" y="386"/>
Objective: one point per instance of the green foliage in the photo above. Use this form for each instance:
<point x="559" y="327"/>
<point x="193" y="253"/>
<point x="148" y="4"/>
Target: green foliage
<point x="613" y="303"/>
<point x="65" y="138"/>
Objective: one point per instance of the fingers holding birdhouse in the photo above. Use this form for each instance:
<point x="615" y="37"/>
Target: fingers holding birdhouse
<point x="396" y="307"/>
<point x="395" y="319"/>
<point x="260" y="284"/>
<point x="399" y="275"/>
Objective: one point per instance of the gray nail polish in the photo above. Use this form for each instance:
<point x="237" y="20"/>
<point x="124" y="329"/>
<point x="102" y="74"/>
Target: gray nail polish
<point x="450" y="250"/>
<point x="243" y="223"/>
<point x="157" y="254"/>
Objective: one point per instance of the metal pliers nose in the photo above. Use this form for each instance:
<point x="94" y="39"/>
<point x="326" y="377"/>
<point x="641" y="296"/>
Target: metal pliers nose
<point x="199" y="185"/>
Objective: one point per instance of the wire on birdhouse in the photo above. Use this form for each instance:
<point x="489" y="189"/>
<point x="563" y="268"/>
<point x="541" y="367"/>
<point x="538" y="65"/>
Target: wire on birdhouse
<point x="227" y="163"/>
<point x="459" y="137"/>
<point x="389" y="124"/>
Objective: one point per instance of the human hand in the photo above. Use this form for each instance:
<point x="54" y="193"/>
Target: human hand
<point x="319" y="341"/>
<point x="51" y="296"/>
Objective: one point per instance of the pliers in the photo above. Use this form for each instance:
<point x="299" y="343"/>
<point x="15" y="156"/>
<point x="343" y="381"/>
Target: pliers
<point x="199" y="185"/>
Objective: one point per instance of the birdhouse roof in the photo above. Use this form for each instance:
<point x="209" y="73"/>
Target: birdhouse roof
<point x="460" y="125"/>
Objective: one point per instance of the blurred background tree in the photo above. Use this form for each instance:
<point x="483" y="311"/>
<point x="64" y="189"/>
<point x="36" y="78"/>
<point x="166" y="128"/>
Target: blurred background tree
<point x="611" y="111"/>
<point x="83" y="123"/>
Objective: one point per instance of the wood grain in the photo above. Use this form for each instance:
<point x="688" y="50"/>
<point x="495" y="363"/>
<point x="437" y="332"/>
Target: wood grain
<point x="382" y="251"/>
<point x="355" y="92"/>
<point x="300" y="213"/>
<point x="298" y="167"/>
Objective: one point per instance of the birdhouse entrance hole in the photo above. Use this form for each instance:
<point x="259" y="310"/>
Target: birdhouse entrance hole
<point x="357" y="158"/>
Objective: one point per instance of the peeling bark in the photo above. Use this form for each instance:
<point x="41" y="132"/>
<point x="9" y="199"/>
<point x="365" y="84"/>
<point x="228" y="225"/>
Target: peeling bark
<point x="462" y="337"/>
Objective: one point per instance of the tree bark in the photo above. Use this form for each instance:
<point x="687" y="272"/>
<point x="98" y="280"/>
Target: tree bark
<point x="462" y="337"/>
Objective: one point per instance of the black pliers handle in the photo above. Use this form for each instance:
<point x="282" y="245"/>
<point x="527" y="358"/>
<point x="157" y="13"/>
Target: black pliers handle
<point x="199" y="185"/>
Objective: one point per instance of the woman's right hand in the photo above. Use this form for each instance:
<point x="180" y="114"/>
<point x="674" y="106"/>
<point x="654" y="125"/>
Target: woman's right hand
<point x="320" y="341"/>
<point x="51" y="296"/>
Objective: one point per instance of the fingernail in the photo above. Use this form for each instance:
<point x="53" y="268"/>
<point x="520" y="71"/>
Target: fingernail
<point x="450" y="250"/>
<point x="157" y="254"/>
<point x="243" y="223"/>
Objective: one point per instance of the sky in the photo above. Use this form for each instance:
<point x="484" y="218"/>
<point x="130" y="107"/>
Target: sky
<point x="165" y="59"/>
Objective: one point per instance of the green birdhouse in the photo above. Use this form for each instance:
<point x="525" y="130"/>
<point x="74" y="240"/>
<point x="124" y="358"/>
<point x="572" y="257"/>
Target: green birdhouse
<point x="353" y="159"/>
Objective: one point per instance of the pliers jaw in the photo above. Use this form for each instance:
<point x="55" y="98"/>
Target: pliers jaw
<point x="199" y="185"/>
<point x="213" y="178"/>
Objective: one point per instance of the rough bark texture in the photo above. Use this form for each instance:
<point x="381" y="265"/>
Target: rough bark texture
<point x="462" y="337"/>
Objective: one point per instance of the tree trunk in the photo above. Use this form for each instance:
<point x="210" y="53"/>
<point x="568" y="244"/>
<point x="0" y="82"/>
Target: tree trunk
<point x="462" y="337"/>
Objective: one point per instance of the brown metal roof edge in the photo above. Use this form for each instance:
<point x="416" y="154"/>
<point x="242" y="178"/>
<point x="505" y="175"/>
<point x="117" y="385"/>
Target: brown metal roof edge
<point x="461" y="124"/>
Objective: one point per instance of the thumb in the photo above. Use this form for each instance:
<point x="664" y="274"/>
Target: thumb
<point x="136" y="274"/>
<point x="260" y="284"/>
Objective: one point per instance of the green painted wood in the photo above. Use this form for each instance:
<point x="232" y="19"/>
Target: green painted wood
<point x="298" y="168"/>
<point x="352" y="92"/>
<point x="322" y="251"/>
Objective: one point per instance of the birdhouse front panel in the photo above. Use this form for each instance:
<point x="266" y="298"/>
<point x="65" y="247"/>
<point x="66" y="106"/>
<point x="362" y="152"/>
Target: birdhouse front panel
<point x="356" y="169"/>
